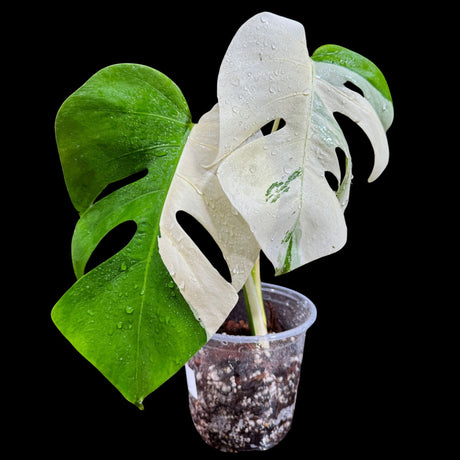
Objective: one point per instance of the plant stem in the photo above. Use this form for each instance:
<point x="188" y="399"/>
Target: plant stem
<point x="255" y="273"/>
<point x="276" y="124"/>
<point x="253" y="289"/>
<point x="254" y="302"/>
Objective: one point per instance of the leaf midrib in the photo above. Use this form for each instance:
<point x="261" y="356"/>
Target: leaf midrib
<point x="143" y="297"/>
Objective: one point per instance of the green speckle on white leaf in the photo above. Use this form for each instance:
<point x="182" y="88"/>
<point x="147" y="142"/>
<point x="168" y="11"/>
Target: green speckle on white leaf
<point x="275" y="190"/>
<point x="290" y="242"/>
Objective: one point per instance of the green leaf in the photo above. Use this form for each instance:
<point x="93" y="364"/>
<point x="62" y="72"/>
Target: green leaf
<point x="338" y="55"/>
<point x="339" y="65"/>
<point x="126" y="316"/>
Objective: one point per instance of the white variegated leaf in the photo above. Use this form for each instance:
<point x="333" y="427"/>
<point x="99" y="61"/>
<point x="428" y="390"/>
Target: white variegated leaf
<point x="196" y="190"/>
<point x="278" y="182"/>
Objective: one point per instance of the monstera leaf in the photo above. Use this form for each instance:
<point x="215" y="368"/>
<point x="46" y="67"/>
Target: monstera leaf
<point x="126" y="316"/>
<point x="137" y="321"/>
<point x="278" y="182"/>
<point x="195" y="189"/>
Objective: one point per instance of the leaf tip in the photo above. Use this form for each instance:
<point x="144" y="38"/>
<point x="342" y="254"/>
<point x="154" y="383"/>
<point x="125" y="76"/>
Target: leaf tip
<point x="139" y="404"/>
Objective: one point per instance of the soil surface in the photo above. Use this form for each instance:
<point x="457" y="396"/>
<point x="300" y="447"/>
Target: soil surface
<point x="241" y="327"/>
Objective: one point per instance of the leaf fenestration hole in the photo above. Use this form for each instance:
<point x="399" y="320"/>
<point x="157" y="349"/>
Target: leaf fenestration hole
<point x="205" y="242"/>
<point x="268" y="127"/>
<point x="353" y="87"/>
<point x="112" y="243"/>
<point x="121" y="183"/>
<point x="341" y="156"/>
<point x="360" y="147"/>
<point x="332" y="180"/>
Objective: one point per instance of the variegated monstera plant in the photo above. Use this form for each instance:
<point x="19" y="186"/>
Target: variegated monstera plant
<point x="141" y="314"/>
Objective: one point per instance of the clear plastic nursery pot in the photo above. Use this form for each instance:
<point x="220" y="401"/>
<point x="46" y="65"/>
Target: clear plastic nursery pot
<point x="243" y="389"/>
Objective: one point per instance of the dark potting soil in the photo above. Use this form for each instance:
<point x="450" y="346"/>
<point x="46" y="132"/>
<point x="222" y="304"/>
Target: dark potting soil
<point x="241" y="327"/>
<point x="245" y="401"/>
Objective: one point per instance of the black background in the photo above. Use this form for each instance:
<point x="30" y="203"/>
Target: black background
<point x="367" y="357"/>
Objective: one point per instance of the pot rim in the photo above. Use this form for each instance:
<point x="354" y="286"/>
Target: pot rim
<point x="301" y="328"/>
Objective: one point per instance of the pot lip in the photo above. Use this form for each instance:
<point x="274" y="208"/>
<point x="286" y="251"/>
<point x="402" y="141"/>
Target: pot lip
<point x="301" y="328"/>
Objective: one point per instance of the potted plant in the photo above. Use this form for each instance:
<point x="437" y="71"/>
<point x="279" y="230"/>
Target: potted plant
<point x="255" y="172"/>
